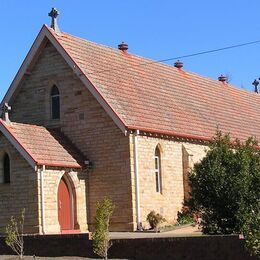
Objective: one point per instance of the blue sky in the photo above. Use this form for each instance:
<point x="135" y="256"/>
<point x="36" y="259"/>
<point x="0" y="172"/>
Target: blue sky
<point x="152" y="28"/>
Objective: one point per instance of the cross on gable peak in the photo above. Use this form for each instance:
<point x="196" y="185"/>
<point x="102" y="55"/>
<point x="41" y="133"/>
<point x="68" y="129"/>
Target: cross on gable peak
<point x="6" y="108"/>
<point x="53" y="14"/>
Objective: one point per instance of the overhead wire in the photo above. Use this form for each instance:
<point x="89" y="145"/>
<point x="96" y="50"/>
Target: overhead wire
<point x="181" y="57"/>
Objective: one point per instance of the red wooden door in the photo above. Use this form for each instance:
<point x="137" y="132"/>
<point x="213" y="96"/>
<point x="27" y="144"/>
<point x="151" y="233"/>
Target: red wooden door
<point x="64" y="206"/>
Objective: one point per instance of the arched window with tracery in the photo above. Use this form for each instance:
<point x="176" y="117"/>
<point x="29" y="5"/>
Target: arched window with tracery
<point x="6" y="168"/>
<point x="158" y="179"/>
<point x="55" y="102"/>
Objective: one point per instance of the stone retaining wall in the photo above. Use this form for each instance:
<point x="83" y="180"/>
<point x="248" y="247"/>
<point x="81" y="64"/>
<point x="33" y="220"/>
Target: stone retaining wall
<point x="202" y="248"/>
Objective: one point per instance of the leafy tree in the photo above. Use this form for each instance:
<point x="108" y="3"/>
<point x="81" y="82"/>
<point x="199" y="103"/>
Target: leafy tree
<point x="226" y="188"/>
<point x="251" y="231"/>
<point x="14" y="234"/>
<point x="101" y="240"/>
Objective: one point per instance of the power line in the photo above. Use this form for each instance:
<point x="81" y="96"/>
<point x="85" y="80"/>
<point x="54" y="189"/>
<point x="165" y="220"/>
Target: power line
<point x="210" y="51"/>
<point x="183" y="56"/>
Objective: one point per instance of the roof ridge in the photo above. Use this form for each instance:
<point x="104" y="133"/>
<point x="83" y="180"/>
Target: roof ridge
<point x="157" y="96"/>
<point x="153" y="61"/>
<point x="86" y="40"/>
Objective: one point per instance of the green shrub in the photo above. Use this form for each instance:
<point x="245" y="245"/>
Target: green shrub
<point x="155" y="219"/>
<point x="14" y="234"/>
<point x="101" y="240"/>
<point x="185" y="216"/>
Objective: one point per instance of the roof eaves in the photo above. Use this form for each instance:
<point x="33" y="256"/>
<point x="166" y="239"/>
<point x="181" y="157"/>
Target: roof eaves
<point x="171" y="133"/>
<point x="73" y="166"/>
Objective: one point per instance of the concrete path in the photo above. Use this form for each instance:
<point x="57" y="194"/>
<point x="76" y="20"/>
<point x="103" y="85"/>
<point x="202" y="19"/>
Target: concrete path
<point x="187" y="231"/>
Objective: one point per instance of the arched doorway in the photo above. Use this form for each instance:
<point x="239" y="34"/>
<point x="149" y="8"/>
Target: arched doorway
<point x="65" y="206"/>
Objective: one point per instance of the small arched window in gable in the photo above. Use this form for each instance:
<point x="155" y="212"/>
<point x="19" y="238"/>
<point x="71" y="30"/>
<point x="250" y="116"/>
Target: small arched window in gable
<point x="6" y="168"/>
<point x="158" y="179"/>
<point x="55" y="103"/>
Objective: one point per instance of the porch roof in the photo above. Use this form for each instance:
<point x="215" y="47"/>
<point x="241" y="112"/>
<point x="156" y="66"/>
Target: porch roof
<point x="42" y="146"/>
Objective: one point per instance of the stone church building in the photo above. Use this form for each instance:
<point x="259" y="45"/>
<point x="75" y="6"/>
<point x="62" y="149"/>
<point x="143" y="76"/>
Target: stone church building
<point x="82" y="121"/>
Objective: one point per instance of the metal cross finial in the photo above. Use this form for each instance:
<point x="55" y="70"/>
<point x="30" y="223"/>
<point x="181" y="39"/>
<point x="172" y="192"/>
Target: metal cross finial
<point x="6" y="108"/>
<point x="256" y="83"/>
<point x="53" y="14"/>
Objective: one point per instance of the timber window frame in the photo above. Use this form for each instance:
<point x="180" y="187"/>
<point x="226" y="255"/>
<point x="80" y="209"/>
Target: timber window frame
<point x="55" y="103"/>
<point x="5" y="169"/>
<point x="157" y="170"/>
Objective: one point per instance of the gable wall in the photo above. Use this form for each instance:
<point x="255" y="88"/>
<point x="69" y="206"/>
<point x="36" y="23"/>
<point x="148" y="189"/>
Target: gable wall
<point x="87" y="125"/>
<point x="175" y="165"/>
<point x="22" y="192"/>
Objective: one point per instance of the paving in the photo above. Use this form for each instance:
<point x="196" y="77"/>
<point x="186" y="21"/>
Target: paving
<point x="188" y="231"/>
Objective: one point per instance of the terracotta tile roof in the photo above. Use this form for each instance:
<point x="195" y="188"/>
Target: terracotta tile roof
<point x="162" y="98"/>
<point x="45" y="147"/>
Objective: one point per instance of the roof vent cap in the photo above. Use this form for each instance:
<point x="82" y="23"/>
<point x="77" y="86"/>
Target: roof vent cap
<point x="123" y="46"/>
<point x="222" y="78"/>
<point x="178" y="64"/>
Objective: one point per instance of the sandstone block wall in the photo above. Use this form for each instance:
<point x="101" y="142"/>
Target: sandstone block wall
<point x="87" y="125"/>
<point x="170" y="200"/>
<point x="21" y="192"/>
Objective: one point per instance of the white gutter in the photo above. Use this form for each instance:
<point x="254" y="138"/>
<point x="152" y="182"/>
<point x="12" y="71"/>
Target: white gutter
<point x="137" y="187"/>
<point x="42" y="199"/>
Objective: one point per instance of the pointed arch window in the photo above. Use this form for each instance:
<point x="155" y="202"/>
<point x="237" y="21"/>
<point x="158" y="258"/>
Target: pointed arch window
<point x="6" y="168"/>
<point x="158" y="179"/>
<point x="55" y="102"/>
